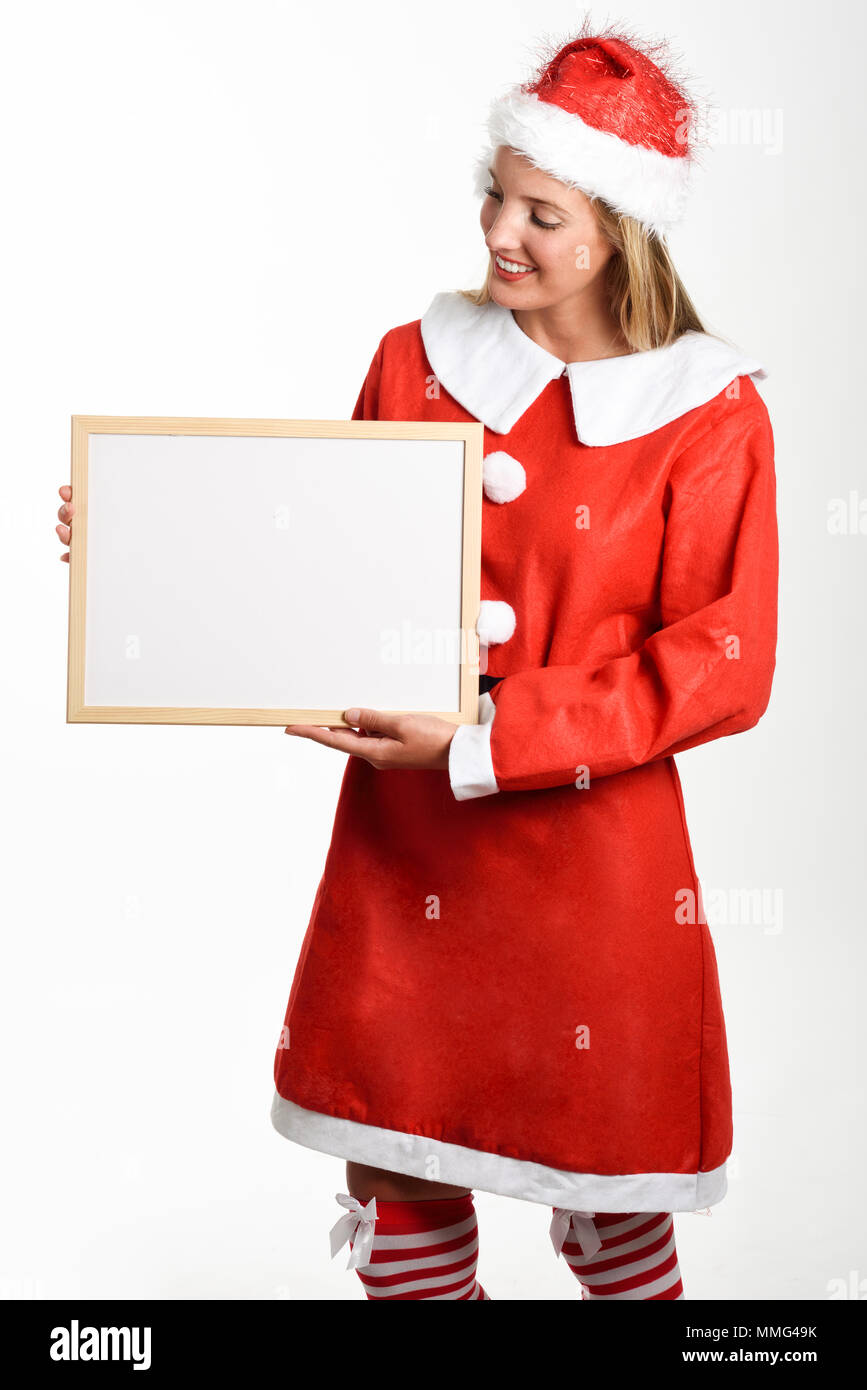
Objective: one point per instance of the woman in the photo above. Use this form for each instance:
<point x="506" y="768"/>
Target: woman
<point x="507" y="982"/>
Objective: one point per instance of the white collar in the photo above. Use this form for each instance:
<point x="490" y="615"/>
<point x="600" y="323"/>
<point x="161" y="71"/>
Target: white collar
<point x="495" y="371"/>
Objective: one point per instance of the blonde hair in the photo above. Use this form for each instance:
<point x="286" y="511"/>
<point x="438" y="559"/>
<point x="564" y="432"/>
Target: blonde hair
<point x="646" y="293"/>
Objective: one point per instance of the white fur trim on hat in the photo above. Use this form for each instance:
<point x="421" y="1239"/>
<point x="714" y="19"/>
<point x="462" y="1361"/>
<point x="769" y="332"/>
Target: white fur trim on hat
<point x="496" y="621"/>
<point x="503" y="477"/>
<point x="640" y="182"/>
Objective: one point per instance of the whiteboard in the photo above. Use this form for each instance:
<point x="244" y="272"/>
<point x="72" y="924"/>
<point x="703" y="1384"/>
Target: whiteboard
<point x="273" y="572"/>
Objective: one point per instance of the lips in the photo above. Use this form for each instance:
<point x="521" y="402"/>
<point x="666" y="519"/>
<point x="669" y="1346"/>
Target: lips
<point x="512" y="267"/>
<point x="511" y="275"/>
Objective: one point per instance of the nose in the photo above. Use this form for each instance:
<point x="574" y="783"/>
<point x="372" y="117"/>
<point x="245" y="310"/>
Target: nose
<point x="502" y="238"/>
<point x="508" y="251"/>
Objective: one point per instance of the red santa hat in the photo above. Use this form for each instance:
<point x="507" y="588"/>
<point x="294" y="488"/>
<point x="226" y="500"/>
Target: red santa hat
<point x="605" y="116"/>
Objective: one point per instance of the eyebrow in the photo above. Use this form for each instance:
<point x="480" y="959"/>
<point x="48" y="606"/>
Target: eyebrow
<point x="530" y="198"/>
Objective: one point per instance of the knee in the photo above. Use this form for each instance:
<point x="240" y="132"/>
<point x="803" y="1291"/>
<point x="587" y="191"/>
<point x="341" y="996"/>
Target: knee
<point x="364" y="1182"/>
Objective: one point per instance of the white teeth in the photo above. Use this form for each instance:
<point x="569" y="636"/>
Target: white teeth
<point x="514" y="267"/>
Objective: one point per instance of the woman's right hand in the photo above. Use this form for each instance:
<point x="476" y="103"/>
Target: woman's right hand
<point x="65" y="512"/>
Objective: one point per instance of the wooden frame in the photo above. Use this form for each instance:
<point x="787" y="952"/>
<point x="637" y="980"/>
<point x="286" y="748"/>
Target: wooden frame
<point x="123" y="546"/>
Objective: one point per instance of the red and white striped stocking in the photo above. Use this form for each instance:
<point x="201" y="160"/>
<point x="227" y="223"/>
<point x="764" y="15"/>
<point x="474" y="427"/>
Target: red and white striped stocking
<point x="620" y="1254"/>
<point x="405" y="1250"/>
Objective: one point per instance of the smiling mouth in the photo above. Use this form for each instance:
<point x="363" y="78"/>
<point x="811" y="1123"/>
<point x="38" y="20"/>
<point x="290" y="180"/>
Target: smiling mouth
<point x="512" y="267"/>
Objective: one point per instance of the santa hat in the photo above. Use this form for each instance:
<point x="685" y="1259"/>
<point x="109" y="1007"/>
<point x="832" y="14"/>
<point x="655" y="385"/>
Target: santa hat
<point x="603" y="116"/>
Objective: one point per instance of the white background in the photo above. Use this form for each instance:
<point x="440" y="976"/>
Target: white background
<point x="219" y="209"/>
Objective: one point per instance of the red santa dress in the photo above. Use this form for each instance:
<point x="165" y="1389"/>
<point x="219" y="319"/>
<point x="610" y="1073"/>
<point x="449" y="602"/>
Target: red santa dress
<point x="506" y="981"/>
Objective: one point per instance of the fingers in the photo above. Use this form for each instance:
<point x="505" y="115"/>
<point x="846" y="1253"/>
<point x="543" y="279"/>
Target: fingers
<point x="65" y="514"/>
<point x="375" y="721"/>
<point x="344" y="740"/>
<point x="371" y="744"/>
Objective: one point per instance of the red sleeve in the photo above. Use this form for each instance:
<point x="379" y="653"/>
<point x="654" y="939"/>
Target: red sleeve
<point x="707" y="671"/>
<point x="367" y="405"/>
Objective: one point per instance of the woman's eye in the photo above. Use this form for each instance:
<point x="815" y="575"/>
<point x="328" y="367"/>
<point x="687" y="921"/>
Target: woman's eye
<point x="549" y="226"/>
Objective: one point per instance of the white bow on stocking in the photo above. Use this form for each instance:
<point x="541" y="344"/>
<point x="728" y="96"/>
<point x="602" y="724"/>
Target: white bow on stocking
<point x="357" y="1223"/>
<point x="581" y="1224"/>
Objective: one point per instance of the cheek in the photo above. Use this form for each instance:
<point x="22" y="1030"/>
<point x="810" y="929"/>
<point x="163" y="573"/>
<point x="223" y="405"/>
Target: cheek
<point x="594" y="251"/>
<point x="574" y="256"/>
<point x="554" y="253"/>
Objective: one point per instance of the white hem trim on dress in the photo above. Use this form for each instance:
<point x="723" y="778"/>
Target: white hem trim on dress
<point x="509" y="1177"/>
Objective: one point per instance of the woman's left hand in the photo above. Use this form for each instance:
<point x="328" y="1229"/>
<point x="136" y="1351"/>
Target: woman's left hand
<point x="387" y="740"/>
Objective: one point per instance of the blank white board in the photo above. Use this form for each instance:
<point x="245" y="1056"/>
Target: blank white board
<point x="273" y="571"/>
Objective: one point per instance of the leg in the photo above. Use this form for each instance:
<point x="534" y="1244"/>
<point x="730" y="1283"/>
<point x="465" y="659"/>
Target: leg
<point x="637" y="1258"/>
<point x="364" y="1183"/>
<point x="425" y="1237"/>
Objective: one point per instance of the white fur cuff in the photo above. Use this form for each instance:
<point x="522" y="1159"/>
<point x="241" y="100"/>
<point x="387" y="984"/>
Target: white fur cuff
<point x="471" y="770"/>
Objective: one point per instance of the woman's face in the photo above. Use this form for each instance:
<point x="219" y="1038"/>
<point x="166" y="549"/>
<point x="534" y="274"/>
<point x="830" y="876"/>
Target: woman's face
<point x="532" y="220"/>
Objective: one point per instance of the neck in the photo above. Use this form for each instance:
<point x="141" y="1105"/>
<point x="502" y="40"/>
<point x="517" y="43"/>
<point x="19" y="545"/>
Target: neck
<point x="581" y="330"/>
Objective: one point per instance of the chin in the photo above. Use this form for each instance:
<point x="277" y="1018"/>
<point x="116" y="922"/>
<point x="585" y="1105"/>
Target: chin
<point x="517" y="296"/>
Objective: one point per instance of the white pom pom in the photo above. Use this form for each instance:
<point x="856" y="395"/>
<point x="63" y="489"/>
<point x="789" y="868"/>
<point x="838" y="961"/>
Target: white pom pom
<point x="503" y="477"/>
<point x="496" y="622"/>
